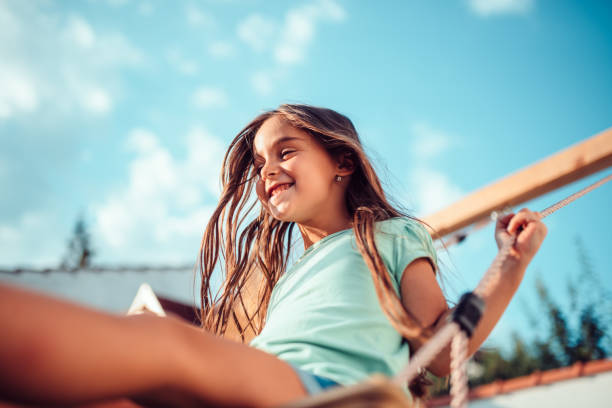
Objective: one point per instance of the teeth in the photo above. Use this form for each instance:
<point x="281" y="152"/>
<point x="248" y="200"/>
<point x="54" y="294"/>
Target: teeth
<point x="280" y="189"/>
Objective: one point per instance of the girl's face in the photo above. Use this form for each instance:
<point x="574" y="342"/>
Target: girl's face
<point x="296" y="174"/>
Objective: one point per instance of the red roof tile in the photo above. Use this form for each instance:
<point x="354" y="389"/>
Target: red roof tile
<point x="537" y="378"/>
<point x="560" y="374"/>
<point x="596" y="367"/>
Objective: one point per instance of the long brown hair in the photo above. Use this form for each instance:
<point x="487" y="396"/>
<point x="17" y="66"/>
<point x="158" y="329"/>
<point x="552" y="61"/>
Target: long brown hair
<point x="262" y="244"/>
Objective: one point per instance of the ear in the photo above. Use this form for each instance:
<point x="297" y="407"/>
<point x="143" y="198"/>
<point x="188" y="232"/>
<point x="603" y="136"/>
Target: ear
<point x="345" y="164"/>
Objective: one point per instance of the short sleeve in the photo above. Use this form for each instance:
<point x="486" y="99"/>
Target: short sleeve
<point x="402" y="240"/>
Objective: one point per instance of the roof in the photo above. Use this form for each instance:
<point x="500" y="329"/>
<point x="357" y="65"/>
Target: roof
<point x="535" y="379"/>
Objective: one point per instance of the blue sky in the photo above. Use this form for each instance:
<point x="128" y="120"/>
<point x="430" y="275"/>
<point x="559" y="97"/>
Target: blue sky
<point x="121" y="110"/>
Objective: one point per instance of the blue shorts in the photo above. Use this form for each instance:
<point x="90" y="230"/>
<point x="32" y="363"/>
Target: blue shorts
<point x="314" y="384"/>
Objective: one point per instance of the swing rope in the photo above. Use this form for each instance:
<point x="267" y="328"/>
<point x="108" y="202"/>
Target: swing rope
<point x="467" y="314"/>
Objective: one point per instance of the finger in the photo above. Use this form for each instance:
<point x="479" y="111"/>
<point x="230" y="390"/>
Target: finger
<point x="517" y="222"/>
<point x="521" y="220"/>
<point x="503" y="221"/>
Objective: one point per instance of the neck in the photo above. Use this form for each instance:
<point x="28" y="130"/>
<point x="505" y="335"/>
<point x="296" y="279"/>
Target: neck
<point x="313" y="232"/>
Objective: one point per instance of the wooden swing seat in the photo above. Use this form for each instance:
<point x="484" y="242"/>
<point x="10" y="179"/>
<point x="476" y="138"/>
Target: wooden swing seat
<point x="377" y="392"/>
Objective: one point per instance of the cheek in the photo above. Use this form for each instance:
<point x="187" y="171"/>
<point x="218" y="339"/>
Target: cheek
<point x="260" y="189"/>
<point x="315" y="178"/>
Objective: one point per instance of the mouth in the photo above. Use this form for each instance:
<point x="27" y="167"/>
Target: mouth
<point x="279" y="188"/>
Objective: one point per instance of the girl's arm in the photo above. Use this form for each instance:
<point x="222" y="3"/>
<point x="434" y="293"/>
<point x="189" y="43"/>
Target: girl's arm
<point x="422" y="296"/>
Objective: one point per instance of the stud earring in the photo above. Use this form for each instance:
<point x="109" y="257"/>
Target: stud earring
<point x="338" y="178"/>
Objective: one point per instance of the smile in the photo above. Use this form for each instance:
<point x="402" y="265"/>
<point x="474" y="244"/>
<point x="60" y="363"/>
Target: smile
<point x="279" y="189"/>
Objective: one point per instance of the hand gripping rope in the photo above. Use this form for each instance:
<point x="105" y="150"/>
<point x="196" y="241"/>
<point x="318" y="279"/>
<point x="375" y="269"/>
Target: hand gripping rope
<point x="466" y="316"/>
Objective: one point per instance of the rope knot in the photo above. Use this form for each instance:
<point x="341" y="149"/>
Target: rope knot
<point x="468" y="312"/>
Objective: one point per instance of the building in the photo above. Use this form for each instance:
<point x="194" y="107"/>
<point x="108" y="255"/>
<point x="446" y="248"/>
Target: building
<point x="580" y="385"/>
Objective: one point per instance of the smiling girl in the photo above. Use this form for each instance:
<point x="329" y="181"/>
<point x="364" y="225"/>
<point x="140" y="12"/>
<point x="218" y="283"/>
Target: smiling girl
<point x="360" y="300"/>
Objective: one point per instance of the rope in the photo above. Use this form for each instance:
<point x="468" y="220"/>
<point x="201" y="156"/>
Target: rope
<point x="426" y="353"/>
<point x="459" y="346"/>
<point x="459" y="379"/>
<point x="546" y="212"/>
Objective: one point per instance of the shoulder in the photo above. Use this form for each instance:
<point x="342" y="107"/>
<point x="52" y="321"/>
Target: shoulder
<point x="403" y="227"/>
<point x="401" y="240"/>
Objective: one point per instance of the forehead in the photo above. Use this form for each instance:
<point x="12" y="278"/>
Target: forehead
<point x="275" y="130"/>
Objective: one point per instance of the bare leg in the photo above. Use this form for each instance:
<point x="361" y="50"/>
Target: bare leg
<point x="121" y="403"/>
<point x="57" y="352"/>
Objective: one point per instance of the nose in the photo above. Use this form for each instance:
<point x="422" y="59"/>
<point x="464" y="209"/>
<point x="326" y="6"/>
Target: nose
<point x="269" y="169"/>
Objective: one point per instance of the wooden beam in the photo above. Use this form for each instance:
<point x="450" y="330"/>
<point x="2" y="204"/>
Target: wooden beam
<point x="558" y="170"/>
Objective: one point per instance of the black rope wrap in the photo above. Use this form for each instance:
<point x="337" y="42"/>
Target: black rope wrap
<point x="468" y="312"/>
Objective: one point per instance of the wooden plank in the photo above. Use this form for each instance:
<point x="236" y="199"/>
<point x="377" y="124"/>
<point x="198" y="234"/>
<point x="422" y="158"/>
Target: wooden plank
<point x="376" y="392"/>
<point x="558" y="170"/>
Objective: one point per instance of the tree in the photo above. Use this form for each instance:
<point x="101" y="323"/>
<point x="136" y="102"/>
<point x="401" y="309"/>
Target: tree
<point x="79" y="252"/>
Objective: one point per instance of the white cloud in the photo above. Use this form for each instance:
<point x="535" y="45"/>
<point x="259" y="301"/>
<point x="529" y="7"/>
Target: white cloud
<point x="427" y="141"/>
<point x="182" y="64"/>
<point x="197" y="17"/>
<point x="160" y="213"/>
<point x="332" y="10"/>
<point x="487" y="8"/>
<point x="141" y="141"/>
<point x="113" y="51"/>
<point x="432" y="190"/>
<point x="298" y="32"/>
<point x="262" y="82"/>
<point x="17" y="91"/>
<point x="97" y="100"/>
<point x="288" y="42"/>
<point x="145" y="8"/>
<point x="221" y="49"/>
<point x="209" y="97"/>
<point x="257" y="31"/>
<point x="21" y="241"/>
<point x="81" y="32"/>
<point x="299" y="29"/>
<point x="58" y="64"/>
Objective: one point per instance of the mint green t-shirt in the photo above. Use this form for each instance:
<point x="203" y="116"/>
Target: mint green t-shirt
<point x="324" y="316"/>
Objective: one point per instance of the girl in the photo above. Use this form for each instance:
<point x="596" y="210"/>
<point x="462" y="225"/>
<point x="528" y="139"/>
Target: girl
<point x="360" y="300"/>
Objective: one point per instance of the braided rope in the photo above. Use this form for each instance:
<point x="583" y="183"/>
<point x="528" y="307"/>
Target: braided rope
<point x="426" y="353"/>
<point x="459" y="346"/>
<point x="493" y="274"/>
<point x="546" y="212"/>
<point x="459" y="378"/>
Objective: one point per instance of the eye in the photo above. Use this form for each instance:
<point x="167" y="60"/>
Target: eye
<point x="285" y="153"/>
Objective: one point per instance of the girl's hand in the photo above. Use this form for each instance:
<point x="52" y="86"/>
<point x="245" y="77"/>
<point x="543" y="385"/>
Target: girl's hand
<point x="528" y="230"/>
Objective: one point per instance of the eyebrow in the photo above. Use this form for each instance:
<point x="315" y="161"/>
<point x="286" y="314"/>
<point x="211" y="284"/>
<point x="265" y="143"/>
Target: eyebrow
<point x="277" y="142"/>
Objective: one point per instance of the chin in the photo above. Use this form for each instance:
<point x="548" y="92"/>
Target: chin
<point x="281" y="213"/>
<point x="286" y="215"/>
<point x="281" y="217"/>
